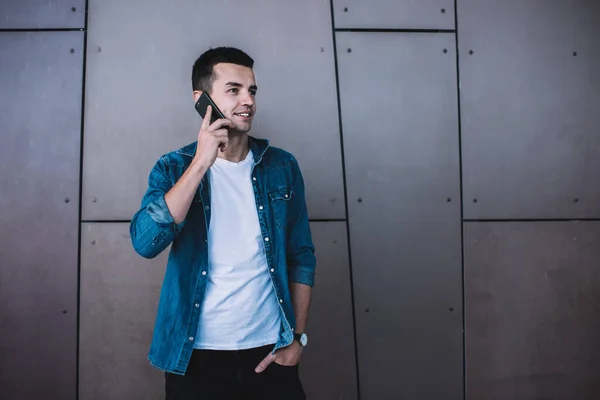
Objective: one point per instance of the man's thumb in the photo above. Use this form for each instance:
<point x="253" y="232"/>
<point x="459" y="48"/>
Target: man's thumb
<point x="265" y="363"/>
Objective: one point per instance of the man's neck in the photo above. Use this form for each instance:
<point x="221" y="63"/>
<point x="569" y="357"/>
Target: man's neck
<point x="238" y="148"/>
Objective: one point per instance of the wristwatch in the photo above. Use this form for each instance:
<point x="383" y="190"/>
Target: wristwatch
<point x="301" y="338"/>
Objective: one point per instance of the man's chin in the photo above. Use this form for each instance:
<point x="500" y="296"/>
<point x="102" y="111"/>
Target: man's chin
<point x="240" y="130"/>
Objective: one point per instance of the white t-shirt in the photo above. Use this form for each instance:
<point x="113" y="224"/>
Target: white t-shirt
<point x="240" y="309"/>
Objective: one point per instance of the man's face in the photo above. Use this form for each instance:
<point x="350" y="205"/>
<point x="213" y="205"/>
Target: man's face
<point x="233" y="91"/>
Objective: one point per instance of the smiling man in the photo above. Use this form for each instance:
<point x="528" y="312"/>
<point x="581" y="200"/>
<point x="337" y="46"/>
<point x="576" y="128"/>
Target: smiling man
<point x="234" y="302"/>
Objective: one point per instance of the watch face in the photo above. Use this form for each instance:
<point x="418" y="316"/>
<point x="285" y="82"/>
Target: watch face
<point x="304" y="339"/>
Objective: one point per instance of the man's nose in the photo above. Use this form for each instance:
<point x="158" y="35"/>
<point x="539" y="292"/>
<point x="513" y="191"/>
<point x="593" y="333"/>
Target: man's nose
<point x="248" y="99"/>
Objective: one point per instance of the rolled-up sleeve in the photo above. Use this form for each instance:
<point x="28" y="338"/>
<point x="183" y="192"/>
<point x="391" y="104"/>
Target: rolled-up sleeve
<point x="301" y="259"/>
<point x="152" y="228"/>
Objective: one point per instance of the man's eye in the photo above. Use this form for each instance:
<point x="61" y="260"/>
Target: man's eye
<point x="233" y="90"/>
<point x="253" y="92"/>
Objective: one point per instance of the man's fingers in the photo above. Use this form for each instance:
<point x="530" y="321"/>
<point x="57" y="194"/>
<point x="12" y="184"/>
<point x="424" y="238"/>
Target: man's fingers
<point x="265" y="363"/>
<point x="220" y="124"/>
<point x="221" y="136"/>
<point x="206" y="120"/>
<point x="220" y="133"/>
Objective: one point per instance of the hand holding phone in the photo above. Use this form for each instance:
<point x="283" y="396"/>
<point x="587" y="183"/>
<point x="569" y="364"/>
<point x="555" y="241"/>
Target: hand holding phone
<point x="212" y="137"/>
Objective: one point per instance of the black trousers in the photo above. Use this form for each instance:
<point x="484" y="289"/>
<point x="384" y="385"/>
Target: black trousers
<point x="229" y="375"/>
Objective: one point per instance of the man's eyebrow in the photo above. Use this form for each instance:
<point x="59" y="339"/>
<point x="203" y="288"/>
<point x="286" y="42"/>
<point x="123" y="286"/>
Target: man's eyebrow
<point x="237" y="84"/>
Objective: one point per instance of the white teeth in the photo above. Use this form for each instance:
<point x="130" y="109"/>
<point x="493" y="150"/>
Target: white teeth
<point x="244" y="115"/>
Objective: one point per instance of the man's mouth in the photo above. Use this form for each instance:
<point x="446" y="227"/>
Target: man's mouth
<point x="243" y="115"/>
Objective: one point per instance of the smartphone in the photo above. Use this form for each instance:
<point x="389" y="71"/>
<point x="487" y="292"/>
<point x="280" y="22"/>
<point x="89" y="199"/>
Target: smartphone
<point x="205" y="101"/>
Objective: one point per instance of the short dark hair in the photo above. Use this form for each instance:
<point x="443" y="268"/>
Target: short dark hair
<point x="202" y="72"/>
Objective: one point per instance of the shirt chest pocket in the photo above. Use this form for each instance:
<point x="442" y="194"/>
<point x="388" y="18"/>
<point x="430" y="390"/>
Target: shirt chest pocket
<point x="279" y="200"/>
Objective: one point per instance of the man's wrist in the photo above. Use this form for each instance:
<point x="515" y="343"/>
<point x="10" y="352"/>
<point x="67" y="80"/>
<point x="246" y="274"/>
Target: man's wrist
<point x="197" y="167"/>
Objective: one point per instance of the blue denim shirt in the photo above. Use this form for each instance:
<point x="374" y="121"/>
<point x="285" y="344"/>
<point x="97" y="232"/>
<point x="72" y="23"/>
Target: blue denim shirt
<point x="279" y="191"/>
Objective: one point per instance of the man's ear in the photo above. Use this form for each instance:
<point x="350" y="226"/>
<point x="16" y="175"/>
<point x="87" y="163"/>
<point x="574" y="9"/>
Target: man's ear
<point x="196" y="94"/>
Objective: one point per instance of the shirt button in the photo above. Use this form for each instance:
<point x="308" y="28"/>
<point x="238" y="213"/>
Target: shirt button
<point x="272" y="269"/>
<point x="286" y="196"/>
<point x="266" y="239"/>
<point x="203" y="272"/>
<point x="191" y="338"/>
<point x="207" y="207"/>
<point x="281" y="300"/>
<point x="196" y="305"/>
<point x="260" y="207"/>
<point x="253" y="178"/>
